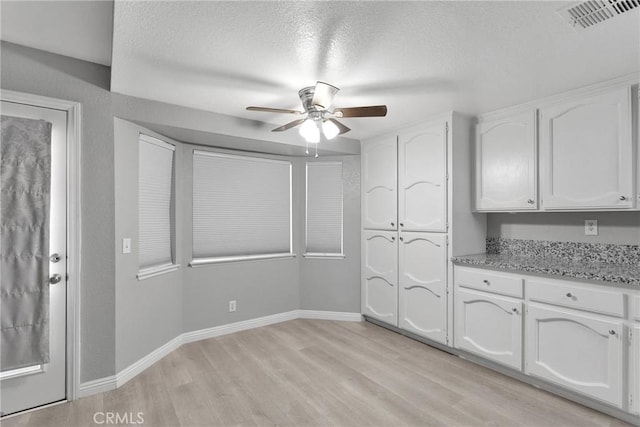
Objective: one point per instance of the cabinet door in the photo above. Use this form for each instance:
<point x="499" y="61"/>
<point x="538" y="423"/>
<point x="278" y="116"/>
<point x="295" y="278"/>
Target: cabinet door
<point x="423" y="284"/>
<point x="582" y="352"/>
<point x="380" y="276"/>
<point x="506" y="164"/>
<point x="423" y="178"/>
<point x="634" y="370"/>
<point x="586" y="154"/>
<point x="490" y="326"/>
<point x="379" y="184"/>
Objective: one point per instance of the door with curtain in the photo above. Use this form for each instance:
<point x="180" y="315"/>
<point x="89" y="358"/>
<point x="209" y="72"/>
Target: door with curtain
<point x="34" y="256"/>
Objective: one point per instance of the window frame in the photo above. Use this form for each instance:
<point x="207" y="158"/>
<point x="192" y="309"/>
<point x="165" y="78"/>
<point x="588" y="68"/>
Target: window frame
<point x="204" y="261"/>
<point x="160" y="269"/>
<point x="325" y="255"/>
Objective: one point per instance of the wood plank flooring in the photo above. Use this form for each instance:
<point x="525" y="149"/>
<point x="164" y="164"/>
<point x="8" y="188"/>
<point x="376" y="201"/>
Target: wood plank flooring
<point x="319" y="373"/>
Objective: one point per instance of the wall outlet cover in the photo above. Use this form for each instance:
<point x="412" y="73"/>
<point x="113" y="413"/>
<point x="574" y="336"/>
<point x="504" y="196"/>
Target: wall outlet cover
<point x="126" y="245"/>
<point x="590" y="227"/>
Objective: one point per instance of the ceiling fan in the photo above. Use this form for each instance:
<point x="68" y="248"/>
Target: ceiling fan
<point x="316" y="101"/>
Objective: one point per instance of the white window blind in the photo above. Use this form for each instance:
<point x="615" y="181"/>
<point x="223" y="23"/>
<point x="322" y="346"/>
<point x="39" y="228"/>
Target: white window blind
<point x="155" y="185"/>
<point x="324" y="209"/>
<point x="241" y="207"/>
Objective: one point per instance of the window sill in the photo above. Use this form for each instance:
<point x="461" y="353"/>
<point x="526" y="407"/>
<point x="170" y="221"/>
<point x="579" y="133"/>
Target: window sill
<point x="221" y="260"/>
<point x="157" y="271"/>
<point x="313" y="255"/>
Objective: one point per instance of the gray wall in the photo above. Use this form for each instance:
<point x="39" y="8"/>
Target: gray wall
<point x="149" y="311"/>
<point x="614" y="227"/>
<point x="41" y="73"/>
<point x="334" y="284"/>
<point x="260" y="287"/>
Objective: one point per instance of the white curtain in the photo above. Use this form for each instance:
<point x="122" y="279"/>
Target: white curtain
<point x="25" y="177"/>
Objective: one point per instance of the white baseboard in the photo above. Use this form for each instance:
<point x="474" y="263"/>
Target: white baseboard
<point x="230" y="328"/>
<point x="136" y="368"/>
<point x="100" y="385"/>
<point x="110" y="383"/>
<point x="329" y="315"/>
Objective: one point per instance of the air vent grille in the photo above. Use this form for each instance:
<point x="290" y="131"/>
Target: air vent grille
<point x="589" y="13"/>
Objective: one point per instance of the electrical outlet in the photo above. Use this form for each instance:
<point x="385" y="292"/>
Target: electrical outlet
<point x="590" y="227"/>
<point x="232" y="306"/>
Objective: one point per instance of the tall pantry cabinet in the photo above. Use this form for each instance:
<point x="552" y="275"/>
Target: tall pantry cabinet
<point x="416" y="214"/>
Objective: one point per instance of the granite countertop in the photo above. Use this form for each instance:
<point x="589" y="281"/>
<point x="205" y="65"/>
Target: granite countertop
<point x="621" y="274"/>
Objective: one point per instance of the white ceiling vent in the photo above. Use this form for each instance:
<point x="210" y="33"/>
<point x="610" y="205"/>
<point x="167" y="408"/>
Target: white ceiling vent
<point x="589" y="13"/>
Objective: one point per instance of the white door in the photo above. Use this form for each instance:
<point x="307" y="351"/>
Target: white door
<point x="490" y="326"/>
<point x="506" y="163"/>
<point x="379" y="184"/>
<point x="423" y="178"/>
<point x="380" y="276"/>
<point x="41" y="384"/>
<point x="586" y="154"/>
<point x="579" y="351"/>
<point x="422" y="282"/>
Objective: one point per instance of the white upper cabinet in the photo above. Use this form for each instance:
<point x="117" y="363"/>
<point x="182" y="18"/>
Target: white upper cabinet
<point x="380" y="275"/>
<point x="379" y="183"/>
<point x="586" y="153"/>
<point x="423" y="178"/>
<point x="423" y="284"/>
<point x="506" y="174"/>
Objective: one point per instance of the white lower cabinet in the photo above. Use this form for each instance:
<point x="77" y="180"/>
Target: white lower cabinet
<point x="634" y="371"/>
<point x="490" y="326"/>
<point x="380" y="276"/>
<point x="423" y="284"/>
<point x="580" y="351"/>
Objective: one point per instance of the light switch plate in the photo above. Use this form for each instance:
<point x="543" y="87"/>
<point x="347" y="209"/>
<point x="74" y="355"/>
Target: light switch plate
<point x="126" y="245"/>
<point x="590" y="227"/>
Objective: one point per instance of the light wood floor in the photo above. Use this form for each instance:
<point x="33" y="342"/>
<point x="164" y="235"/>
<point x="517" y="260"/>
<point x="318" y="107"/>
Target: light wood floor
<point x="322" y="373"/>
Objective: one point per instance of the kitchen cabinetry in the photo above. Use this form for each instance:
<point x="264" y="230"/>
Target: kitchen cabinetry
<point x="586" y="152"/>
<point x="423" y="212"/>
<point x="423" y="284"/>
<point x="634" y="355"/>
<point x="490" y="326"/>
<point x="505" y="155"/>
<point x="577" y="350"/>
<point x="379" y="184"/>
<point x="380" y="276"/>
<point x="422" y="179"/>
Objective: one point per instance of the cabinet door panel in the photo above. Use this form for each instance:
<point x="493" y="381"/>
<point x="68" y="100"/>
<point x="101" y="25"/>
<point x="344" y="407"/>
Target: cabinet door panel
<point x="380" y="275"/>
<point x="422" y="179"/>
<point x="581" y="352"/>
<point x="634" y="370"/>
<point x="423" y="284"/>
<point x="586" y="153"/>
<point x="379" y="184"/>
<point x="506" y="163"/>
<point x="490" y="326"/>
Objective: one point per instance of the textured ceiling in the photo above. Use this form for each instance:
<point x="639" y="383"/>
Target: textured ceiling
<point x="419" y="58"/>
<point x="79" y="29"/>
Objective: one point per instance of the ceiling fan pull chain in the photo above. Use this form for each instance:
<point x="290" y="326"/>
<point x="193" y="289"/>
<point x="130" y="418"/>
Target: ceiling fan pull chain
<point x="307" y="147"/>
<point x="316" y="151"/>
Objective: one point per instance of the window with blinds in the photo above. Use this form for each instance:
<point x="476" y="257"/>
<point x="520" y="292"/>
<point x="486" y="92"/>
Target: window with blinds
<point x="324" y="210"/>
<point x="241" y="208"/>
<point x="155" y="188"/>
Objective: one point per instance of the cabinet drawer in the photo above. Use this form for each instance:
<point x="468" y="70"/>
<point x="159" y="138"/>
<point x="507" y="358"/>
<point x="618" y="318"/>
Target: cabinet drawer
<point x="489" y="281"/>
<point x="577" y="296"/>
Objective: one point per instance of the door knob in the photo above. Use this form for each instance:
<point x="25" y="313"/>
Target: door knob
<point x="56" y="278"/>
<point x="55" y="258"/>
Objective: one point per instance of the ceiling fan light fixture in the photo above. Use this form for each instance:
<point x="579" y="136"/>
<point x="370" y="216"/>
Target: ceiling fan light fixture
<point x="330" y="129"/>
<point x="310" y="132"/>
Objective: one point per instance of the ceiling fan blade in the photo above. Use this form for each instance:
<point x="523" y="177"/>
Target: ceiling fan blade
<point x="323" y="95"/>
<point x="289" y="125"/>
<point x="372" y="111"/>
<point x="274" y="110"/>
<point x="343" y="128"/>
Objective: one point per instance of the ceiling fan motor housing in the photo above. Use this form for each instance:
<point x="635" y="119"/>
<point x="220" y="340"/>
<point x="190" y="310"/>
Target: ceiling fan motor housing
<point x="306" y="96"/>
